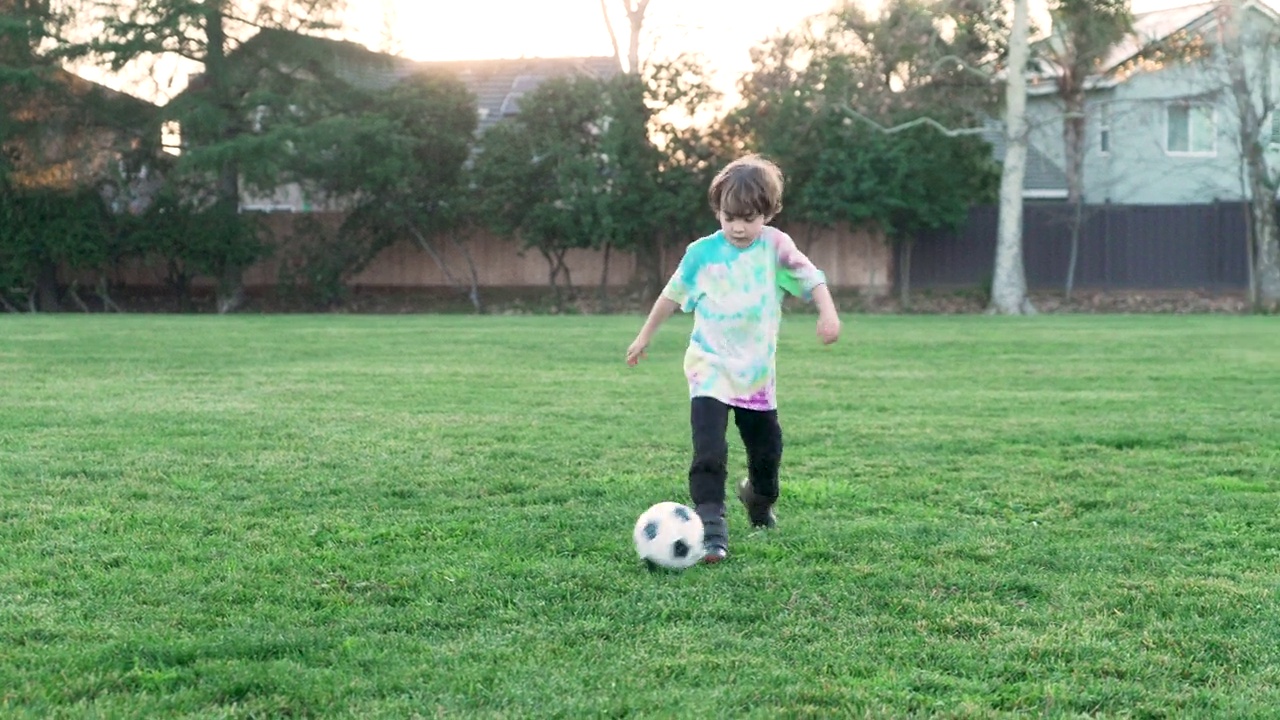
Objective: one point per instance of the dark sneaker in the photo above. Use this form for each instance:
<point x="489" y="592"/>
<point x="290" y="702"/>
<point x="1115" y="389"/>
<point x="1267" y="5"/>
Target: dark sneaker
<point x="759" y="510"/>
<point x="715" y="554"/>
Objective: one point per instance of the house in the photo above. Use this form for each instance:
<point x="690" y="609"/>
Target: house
<point x="81" y="134"/>
<point x="498" y="86"/>
<point x="1162" y="127"/>
<point x="1043" y="179"/>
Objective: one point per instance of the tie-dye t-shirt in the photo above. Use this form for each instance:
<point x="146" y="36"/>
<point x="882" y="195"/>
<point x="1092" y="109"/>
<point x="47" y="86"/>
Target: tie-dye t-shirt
<point x="735" y="295"/>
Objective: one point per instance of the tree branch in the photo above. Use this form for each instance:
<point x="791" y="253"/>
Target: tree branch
<point x="613" y="37"/>
<point x="426" y="247"/>
<point x="960" y="64"/>
<point x="949" y="132"/>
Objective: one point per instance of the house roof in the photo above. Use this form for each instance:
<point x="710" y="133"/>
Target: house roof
<point x="1149" y="28"/>
<point x="498" y="84"/>
<point x="70" y="131"/>
<point x="1153" y="27"/>
<point x="1043" y="178"/>
<point x="66" y="94"/>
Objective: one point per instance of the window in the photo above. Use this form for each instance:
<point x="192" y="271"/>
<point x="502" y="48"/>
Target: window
<point x="1191" y="129"/>
<point x="1104" y="129"/>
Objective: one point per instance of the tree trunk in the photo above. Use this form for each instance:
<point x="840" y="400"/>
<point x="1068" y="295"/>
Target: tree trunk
<point x="1009" y="281"/>
<point x="1266" y="235"/>
<point x="473" y="292"/>
<point x="904" y="274"/>
<point x="75" y="296"/>
<point x="648" y="271"/>
<point x="104" y="292"/>
<point x="613" y="37"/>
<point x="47" y="286"/>
<point x="1250" y="256"/>
<point x="636" y="17"/>
<point x="230" y="286"/>
<point x="1267" y="262"/>
<point x="604" y="280"/>
<point x="1073" y="138"/>
<point x="556" y="267"/>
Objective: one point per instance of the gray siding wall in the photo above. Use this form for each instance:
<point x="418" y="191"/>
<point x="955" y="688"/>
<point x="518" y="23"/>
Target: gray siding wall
<point x="1139" y="169"/>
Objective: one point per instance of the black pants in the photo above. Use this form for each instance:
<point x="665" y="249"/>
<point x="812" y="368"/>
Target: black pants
<point x="762" y="436"/>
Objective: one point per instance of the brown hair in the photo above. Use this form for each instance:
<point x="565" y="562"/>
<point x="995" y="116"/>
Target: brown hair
<point x="746" y="187"/>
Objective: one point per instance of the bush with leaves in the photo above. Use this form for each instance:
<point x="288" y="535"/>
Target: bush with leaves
<point x="189" y="239"/>
<point x="820" y="99"/>
<point x="545" y="176"/>
<point x="395" y="157"/>
<point x="42" y="231"/>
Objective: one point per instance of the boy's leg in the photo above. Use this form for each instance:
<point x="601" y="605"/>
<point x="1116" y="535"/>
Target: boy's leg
<point x="762" y="436"/>
<point x="709" y="418"/>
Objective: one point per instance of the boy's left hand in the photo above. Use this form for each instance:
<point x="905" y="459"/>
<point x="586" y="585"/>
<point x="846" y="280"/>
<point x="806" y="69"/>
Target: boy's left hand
<point x="828" y="328"/>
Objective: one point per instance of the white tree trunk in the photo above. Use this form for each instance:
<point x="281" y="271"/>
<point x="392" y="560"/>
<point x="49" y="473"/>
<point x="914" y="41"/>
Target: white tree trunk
<point x="635" y="19"/>
<point x="1009" y="282"/>
<point x="1266" y="232"/>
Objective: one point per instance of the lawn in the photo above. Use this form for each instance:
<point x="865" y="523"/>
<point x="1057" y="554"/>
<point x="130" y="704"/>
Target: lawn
<point x="342" y="516"/>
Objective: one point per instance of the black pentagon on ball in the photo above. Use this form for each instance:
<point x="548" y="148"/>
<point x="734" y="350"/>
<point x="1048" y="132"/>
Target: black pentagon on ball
<point x="650" y="530"/>
<point x="682" y="513"/>
<point x="680" y="549"/>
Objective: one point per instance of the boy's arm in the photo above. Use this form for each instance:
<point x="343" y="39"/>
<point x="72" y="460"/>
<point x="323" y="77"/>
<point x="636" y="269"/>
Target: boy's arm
<point x="828" y="318"/>
<point x="663" y="309"/>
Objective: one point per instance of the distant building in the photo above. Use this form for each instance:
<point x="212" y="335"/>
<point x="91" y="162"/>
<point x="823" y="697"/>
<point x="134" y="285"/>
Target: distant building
<point x="79" y="134"/>
<point x="498" y="86"/>
<point x="1163" y="131"/>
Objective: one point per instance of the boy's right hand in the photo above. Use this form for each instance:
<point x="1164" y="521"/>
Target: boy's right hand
<point x="637" y="351"/>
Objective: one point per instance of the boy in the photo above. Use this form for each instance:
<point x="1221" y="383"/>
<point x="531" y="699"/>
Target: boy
<point x="733" y="283"/>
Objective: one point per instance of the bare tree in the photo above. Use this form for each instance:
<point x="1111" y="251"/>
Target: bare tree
<point x="1084" y="31"/>
<point x="389" y="41"/>
<point x="1253" y="94"/>
<point x="635" y="10"/>
<point x="1009" y="283"/>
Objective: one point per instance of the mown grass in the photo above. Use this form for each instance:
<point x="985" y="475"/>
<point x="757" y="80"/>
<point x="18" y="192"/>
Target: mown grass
<point x="430" y="516"/>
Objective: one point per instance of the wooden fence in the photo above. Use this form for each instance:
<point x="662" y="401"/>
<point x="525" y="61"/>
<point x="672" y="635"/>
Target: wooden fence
<point x="852" y="259"/>
<point x="1122" y="247"/>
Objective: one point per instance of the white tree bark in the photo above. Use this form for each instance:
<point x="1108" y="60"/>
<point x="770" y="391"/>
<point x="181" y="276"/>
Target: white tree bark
<point x="635" y="18"/>
<point x="1260" y="184"/>
<point x="1009" y="282"/>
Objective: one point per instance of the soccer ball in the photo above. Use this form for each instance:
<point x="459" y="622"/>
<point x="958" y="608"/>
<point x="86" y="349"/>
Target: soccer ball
<point x="669" y="535"/>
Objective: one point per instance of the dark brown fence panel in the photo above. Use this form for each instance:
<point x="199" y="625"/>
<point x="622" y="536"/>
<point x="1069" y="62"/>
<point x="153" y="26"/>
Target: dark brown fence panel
<point x="1150" y="247"/>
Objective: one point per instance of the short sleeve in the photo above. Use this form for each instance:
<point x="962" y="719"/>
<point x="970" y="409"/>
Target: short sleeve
<point x="796" y="273"/>
<point x="681" y="288"/>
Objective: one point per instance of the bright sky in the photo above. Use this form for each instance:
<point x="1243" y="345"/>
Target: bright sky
<point x="722" y="30"/>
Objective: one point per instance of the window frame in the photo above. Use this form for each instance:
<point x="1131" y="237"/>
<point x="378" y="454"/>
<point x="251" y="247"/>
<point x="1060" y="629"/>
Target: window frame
<point x="1190" y="106"/>
<point x="1104" y="129"/>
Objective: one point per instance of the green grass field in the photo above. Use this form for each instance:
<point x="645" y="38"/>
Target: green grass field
<point x="343" y="516"/>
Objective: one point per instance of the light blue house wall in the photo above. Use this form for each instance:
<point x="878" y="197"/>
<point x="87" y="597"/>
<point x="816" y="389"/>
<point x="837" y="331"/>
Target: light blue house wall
<point x="1145" y="162"/>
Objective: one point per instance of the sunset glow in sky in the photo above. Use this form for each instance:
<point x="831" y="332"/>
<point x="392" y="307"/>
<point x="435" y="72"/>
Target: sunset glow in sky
<point x="436" y="30"/>
<point x="724" y="31"/>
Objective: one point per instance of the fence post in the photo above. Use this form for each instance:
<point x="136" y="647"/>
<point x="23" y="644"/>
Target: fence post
<point x="1106" y="244"/>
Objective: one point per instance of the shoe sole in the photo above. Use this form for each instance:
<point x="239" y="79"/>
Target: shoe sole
<point x="713" y="558"/>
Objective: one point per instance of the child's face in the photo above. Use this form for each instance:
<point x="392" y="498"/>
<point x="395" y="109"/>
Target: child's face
<point x="742" y="230"/>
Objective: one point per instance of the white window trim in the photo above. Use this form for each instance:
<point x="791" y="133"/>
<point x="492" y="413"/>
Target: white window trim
<point x="1104" y="129"/>
<point x="1190" y="153"/>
